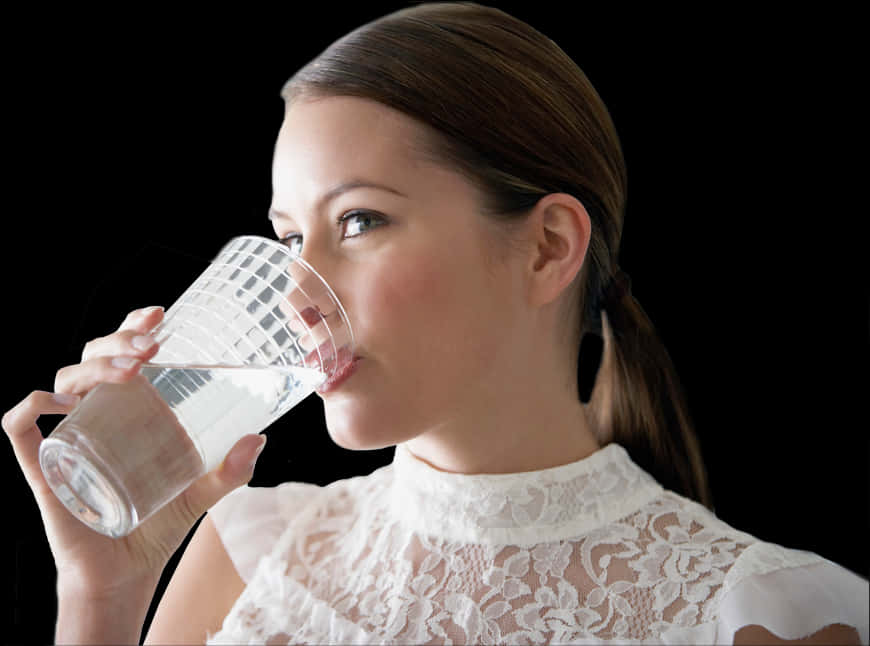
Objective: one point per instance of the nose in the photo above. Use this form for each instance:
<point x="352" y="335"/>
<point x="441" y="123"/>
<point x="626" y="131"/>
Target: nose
<point x="316" y="312"/>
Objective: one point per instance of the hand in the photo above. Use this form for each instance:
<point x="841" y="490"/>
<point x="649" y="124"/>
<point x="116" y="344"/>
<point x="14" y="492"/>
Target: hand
<point x="100" y="565"/>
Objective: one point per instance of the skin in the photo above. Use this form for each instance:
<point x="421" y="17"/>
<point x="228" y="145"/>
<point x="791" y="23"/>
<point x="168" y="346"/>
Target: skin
<point x="464" y="358"/>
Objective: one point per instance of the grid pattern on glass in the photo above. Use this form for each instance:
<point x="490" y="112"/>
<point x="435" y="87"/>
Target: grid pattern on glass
<point x="279" y="264"/>
<point x="221" y="330"/>
<point x="242" y="308"/>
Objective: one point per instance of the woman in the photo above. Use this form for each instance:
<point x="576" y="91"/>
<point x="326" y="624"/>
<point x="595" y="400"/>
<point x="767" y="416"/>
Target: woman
<point x="459" y="183"/>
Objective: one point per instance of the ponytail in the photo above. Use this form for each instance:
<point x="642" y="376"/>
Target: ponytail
<point x="638" y="401"/>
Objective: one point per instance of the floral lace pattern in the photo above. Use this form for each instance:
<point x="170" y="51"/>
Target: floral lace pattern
<point x="588" y="552"/>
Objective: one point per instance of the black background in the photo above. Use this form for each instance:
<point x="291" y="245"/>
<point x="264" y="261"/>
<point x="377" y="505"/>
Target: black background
<point x="137" y="144"/>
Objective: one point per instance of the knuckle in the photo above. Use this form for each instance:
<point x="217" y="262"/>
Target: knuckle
<point x="133" y="318"/>
<point x="94" y="347"/>
<point x="88" y="349"/>
<point x="63" y="376"/>
<point x="6" y="422"/>
<point x="25" y="407"/>
<point x="25" y="412"/>
<point x="59" y="378"/>
<point x="32" y="402"/>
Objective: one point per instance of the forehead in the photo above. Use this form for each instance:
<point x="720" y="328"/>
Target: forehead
<point x="324" y="137"/>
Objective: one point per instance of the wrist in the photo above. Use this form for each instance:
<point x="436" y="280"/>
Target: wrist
<point x="93" y="616"/>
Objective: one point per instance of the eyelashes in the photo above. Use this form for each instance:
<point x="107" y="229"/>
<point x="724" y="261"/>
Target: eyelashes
<point x="359" y="215"/>
<point x="288" y="240"/>
<point x="353" y="224"/>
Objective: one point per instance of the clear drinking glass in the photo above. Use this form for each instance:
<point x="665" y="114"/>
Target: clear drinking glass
<point x="255" y="334"/>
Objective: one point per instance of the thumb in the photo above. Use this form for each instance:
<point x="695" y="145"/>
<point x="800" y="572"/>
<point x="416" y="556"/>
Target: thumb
<point x="236" y="470"/>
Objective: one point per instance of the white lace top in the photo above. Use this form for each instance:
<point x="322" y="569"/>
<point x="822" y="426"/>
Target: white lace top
<point x="588" y="552"/>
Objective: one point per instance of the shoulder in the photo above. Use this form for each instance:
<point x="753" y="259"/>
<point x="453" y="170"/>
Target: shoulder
<point x="765" y="592"/>
<point x="774" y="594"/>
<point x="251" y="520"/>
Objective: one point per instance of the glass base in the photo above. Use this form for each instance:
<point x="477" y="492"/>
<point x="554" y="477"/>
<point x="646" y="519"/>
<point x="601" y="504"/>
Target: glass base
<point x="87" y="491"/>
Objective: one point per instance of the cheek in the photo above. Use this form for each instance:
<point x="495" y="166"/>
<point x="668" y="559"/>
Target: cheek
<point x="404" y="299"/>
<point x="427" y="311"/>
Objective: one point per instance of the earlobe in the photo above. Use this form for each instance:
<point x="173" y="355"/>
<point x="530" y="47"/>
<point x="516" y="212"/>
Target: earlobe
<point x="561" y="228"/>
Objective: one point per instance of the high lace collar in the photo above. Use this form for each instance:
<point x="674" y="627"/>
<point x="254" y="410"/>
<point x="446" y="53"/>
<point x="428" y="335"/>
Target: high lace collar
<point x="519" y="508"/>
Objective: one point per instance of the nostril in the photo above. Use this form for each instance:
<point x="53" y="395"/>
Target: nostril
<point x="311" y="315"/>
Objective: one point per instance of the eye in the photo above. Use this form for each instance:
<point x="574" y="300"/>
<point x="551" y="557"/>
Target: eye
<point x="357" y="222"/>
<point x="294" y="242"/>
<point x="353" y="224"/>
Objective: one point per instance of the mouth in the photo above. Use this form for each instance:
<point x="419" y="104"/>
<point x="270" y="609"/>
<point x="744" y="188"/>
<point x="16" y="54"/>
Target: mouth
<point x="339" y="376"/>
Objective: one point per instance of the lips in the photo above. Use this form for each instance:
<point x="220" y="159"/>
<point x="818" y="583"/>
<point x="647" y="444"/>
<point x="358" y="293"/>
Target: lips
<point x="339" y="376"/>
<point x="324" y="359"/>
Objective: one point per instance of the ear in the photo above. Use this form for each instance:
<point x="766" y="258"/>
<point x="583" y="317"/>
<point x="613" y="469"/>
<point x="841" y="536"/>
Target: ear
<point x="560" y="230"/>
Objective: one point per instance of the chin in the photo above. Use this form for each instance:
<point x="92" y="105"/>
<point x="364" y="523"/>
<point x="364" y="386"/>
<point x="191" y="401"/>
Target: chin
<point x="355" y="429"/>
<point x="355" y="438"/>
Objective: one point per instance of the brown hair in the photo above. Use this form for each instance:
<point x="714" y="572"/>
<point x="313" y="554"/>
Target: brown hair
<point x="518" y="117"/>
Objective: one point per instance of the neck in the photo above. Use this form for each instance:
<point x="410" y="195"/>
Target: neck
<point x="516" y="434"/>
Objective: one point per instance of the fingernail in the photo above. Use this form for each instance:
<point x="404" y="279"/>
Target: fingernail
<point x="258" y="450"/>
<point x="64" y="399"/>
<point x="151" y="310"/>
<point x="124" y="362"/>
<point x="142" y="342"/>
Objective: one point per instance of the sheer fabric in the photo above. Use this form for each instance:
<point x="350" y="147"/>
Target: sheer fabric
<point x="589" y="552"/>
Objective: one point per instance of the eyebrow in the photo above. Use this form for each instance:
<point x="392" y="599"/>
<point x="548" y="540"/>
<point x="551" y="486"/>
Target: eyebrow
<point x="338" y="190"/>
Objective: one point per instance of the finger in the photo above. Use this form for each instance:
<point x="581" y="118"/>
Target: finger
<point x="78" y="379"/>
<point x="236" y="469"/>
<point x="143" y="320"/>
<point x="126" y="342"/>
<point x="19" y="423"/>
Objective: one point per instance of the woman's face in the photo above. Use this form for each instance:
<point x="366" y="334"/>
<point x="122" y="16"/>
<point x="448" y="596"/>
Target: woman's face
<point x="434" y="317"/>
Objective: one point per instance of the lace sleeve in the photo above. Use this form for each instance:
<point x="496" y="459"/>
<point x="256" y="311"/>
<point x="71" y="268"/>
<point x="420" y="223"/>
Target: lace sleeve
<point x="792" y="594"/>
<point x="250" y="520"/>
